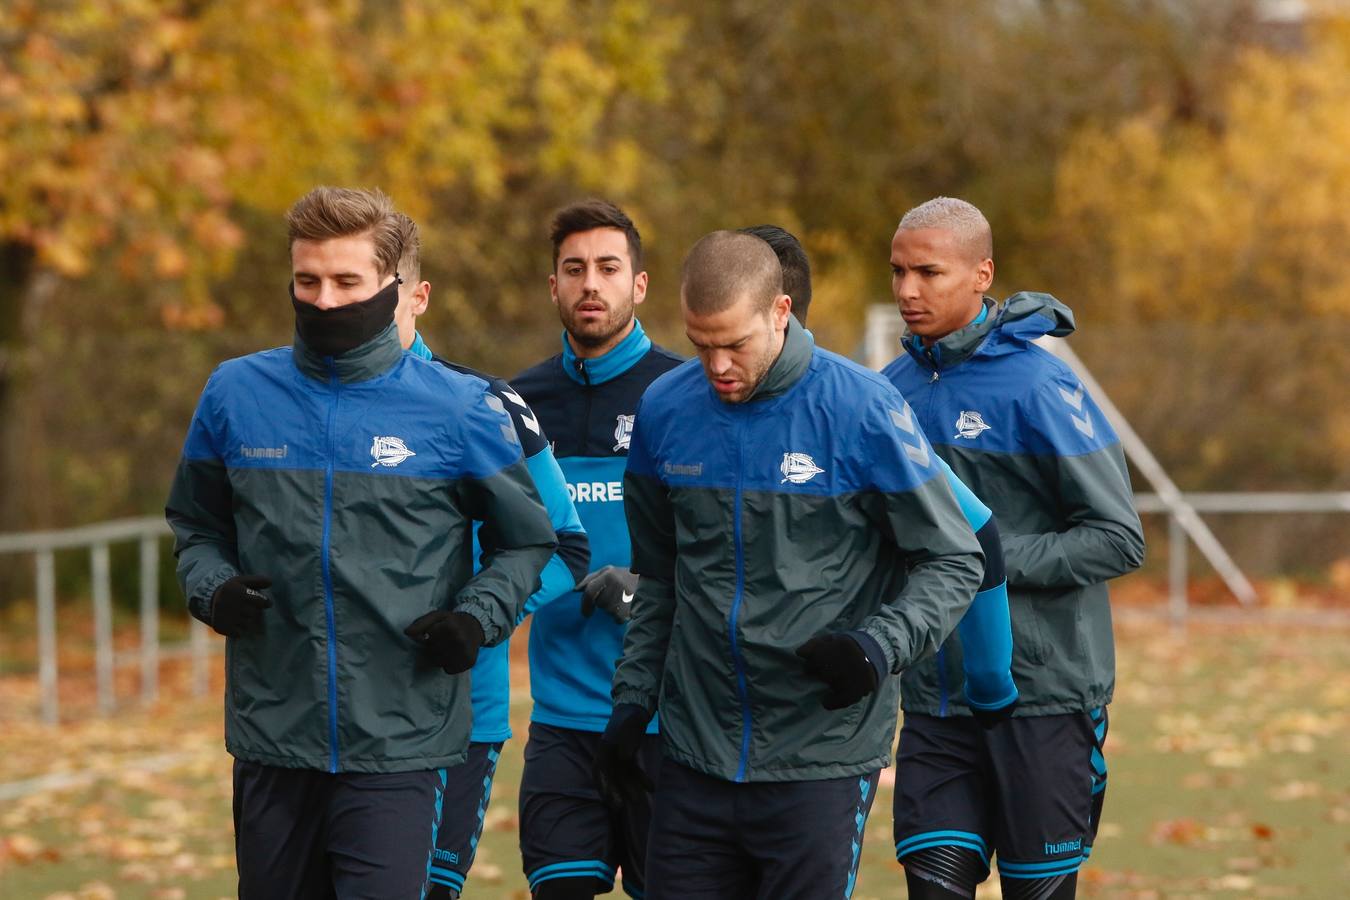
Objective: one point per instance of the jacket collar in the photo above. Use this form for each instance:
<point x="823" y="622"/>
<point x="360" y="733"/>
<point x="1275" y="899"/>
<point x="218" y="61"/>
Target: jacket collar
<point x="791" y="364"/>
<point x="419" y="347"/>
<point x="958" y="346"/>
<point x="618" y="360"/>
<point x="996" y="331"/>
<point x="375" y="357"/>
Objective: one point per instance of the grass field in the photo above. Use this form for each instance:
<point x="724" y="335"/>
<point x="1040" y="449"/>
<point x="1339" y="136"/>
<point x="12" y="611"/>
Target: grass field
<point x="1229" y="754"/>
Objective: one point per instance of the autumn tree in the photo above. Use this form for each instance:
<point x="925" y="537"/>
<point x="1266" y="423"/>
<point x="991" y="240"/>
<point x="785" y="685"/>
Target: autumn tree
<point x="144" y="140"/>
<point x="1216" y="249"/>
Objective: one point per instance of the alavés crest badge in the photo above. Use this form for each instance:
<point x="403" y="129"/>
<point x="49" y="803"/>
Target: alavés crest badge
<point x="623" y="431"/>
<point x="798" y="468"/>
<point x="970" y="424"/>
<point x="389" y="451"/>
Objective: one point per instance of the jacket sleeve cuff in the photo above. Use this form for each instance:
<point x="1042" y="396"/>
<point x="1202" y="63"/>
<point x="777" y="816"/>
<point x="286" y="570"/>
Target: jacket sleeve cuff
<point x="645" y="702"/>
<point x="199" y="603"/>
<point x="493" y="632"/>
<point x="890" y="653"/>
<point x="872" y="649"/>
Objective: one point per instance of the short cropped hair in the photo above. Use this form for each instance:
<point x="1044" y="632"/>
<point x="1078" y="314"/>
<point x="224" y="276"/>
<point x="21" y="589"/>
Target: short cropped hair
<point x="591" y="214"/>
<point x="330" y="212"/>
<point x="410" y="241"/>
<point x="725" y="266"/>
<point x="957" y="216"/>
<point x="796" y="267"/>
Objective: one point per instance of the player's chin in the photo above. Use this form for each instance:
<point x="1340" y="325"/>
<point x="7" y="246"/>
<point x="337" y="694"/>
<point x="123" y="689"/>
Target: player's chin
<point x="731" y="393"/>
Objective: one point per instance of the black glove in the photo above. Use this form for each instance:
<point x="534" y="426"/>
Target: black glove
<point x="452" y="639"/>
<point x="848" y="670"/>
<point x="988" y="718"/>
<point x="617" y="776"/>
<point x="611" y="589"/>
<point x="237" y="605"/>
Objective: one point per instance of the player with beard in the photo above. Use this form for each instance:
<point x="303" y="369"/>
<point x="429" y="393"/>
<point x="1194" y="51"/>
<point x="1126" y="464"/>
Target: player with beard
<point x="573" y="840"/>
<point x="797" y="548"/>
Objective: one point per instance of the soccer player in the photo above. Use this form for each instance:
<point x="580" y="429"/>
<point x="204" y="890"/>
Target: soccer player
<point x="979" y="652"/>
<point x="468" y="789"/>
<point x="797" y="545"/>
<point x="794" y="262"/>
<point x="1016" y="425"/>
<point x="322" y="511"/>
<point x="571" y="840"/>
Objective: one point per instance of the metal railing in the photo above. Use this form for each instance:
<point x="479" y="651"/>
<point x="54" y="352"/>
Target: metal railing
<point x="1178" y="556"/>
<point x="148" y="532"/>
<point x="98" y="539"/>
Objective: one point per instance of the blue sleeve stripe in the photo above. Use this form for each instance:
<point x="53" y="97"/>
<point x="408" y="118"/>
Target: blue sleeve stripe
<point x="574" y="549"/>
<point x="556" y="580"/>
<point x="552" y="486"/>
<point x="987" y="646"/>
<point x="976" y="513"/>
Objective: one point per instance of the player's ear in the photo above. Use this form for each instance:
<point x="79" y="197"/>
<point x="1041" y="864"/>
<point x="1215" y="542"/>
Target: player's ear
<point x="984" y="275"/>
<point x="421" y="296"/>
<point x="639" y="288"/>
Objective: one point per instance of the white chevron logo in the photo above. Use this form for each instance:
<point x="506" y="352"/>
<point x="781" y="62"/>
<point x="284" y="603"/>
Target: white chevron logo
<point x="1075" y="399"/>
<point x="526" y="415"/>
<point x="903" y="420"/>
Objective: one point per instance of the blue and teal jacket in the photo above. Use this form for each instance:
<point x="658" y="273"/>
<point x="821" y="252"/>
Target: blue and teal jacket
<point x="586" y="407"/>
<point x="353" y="482"/>
<point x="1016" y="425"/>
<point x="491" y="676"/>
<point x="815" y="506"/>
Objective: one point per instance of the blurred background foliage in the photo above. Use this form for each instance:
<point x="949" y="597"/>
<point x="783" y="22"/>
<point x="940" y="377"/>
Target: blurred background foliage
<point x="1177" y="172"/>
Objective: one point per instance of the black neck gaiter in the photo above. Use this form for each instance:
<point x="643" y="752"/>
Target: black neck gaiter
<point x="332" y="332"/>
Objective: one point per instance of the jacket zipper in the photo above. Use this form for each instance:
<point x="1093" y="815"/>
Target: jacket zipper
<point x="586" y="418"/>
<point x="926" y="421"/>
<point x="327" y="571"/>
<point x="741" y="690"/>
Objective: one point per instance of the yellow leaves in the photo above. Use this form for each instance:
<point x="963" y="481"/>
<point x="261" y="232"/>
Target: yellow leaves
<point x="1183" y="831"/>
<point x="22" y="848"/>
<point x="1249" y="217"/>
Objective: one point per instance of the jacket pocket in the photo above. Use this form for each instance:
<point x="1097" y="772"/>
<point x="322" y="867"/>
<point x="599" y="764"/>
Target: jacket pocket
<point x="1028" y="633"/>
